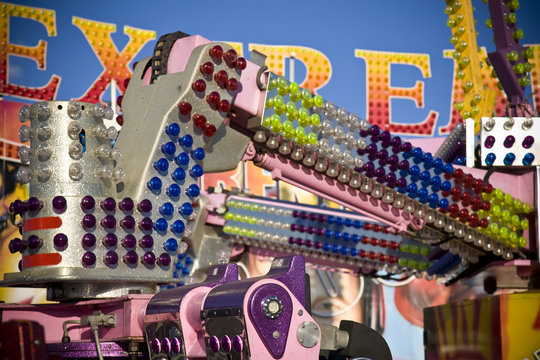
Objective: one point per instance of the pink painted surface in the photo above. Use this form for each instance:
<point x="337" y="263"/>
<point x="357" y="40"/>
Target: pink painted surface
<point x="190" y="319"/>
<point x="250" y="99"/>
<point x="215" y="201"/>
<point x="293" y="349"/>
<point x="129" y="312"/>
<point x="331" y="189"/>
<point x="179" y="55"/>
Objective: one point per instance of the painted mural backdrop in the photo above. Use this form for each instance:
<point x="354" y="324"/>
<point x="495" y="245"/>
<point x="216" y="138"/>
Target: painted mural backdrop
<point x="389" y="61"/>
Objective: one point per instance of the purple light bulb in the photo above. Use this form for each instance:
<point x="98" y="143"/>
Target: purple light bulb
<point x="87" y="203"/>
<point x="89" y="240"/>
<point x="509" y="141"/>
<point x="164" y="260"/>
<point x="109" y="204"/>
<point x="88" y="259"/>
<point x="145" y="206"/>
<point x="59" y="203"/>
<point x="111" y="258"/>
<point x="88" y="221"/>
<point x="60" y="241"/>
<point x="126" y="205"/>
<point x="131" y="257"/>
<point x="148" y="258"/>
<point x="34" y="204"/>
<point x="528" y="142"/>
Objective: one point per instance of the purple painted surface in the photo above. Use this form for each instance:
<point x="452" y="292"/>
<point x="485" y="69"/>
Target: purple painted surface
<point x="81" y="350"/>
<point x="265" y="326"/>
<point x="504" y="42"/>
<point x="169" y="301"/>
<point x="288" y="270"/>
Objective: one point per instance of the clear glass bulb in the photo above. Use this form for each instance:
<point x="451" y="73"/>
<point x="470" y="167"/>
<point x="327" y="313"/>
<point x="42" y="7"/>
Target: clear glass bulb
<point x="75" y="171"/>
<point x="74" y="109"/>
<point x="24" y="154"/>
<point x="119" y="174"/>
<point x="43" y="172"/>
<point x="116" y="154"/>
<point x="24" y="114"/>
<point x="105" y="173"/>
<point x="74" y="129"/>
<point x="75" y="150"/>
<point x="23" y="175"/>
<point x="109" y="113"/>
<point x="102" y="152"/>
<point x="44" y="131"/>
<point x="98" y="110"/>
<point x="44" y="151"/>
<point x="44" y="110"/>
<point x="25" y="133"/>
<point x="100" y="131"/>
<point x="112" y="133"/>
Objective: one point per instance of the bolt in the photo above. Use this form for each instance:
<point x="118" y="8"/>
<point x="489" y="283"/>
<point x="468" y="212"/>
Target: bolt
<point x="300" y="312"/>
<point x="275" y="334"/>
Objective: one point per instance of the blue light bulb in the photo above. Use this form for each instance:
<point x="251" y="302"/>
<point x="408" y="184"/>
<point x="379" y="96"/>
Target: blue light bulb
<point x="443" y="203"/>
<point x="490" y="159"/>
<point x="168" y="148"/>
<point x="178" y="227"/>
<point x="348" y="222"/>
<point x="355" y="238"/>
<point x="331" y="219"/>
<point x="438" y="164"/>
<point x="425" y="176"/>
<point x="161" y="165"/>
<point x="172" y="129"/>
<point x="414" y="171"/>
<point x="173" y="190"/>
<point x="327" y="247"/>
<point x="448" y="169"/>
<point x="193" y="190"/>
<point x="166" y="209"/>
<point x="358" y="224"/>
<point x="336" y="248"/>
<point x="186" y="209"/>
<point x="179" y="174"/>
<point x="328" y="233"/>
<point x="354" y="252"/>
<point x="182" y="159"/>
<point x="196" y="171"/>
<point x="339" y="221"/>
<point x="528" y="159"/>
<point x="428" y="161"/>
<point x="446" y="186"/>
<point x="344" y="250"/>
<point x="198" y="154"/>
<point x="509" y="159"/>
<point x="171" y="244"/>
<point x="337" y="235"/>
<point x="186" y="141"/>
<point x="154" y="183"/>
<point x="346" y="236"/>
<point x="160" y="224"/>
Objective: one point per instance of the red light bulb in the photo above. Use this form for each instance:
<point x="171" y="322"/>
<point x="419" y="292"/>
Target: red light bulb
<point x="224" y="106"/>
<point x="216" y="52"/>
<point x="199" y="121"/>
<point x="207" y="68"/>
<point x="241" y="63"/>
<point x="199" y="85"/>
<point x="232" y="84"/>
<point x="184" y="108"/>
<point x="209" y="130"/>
